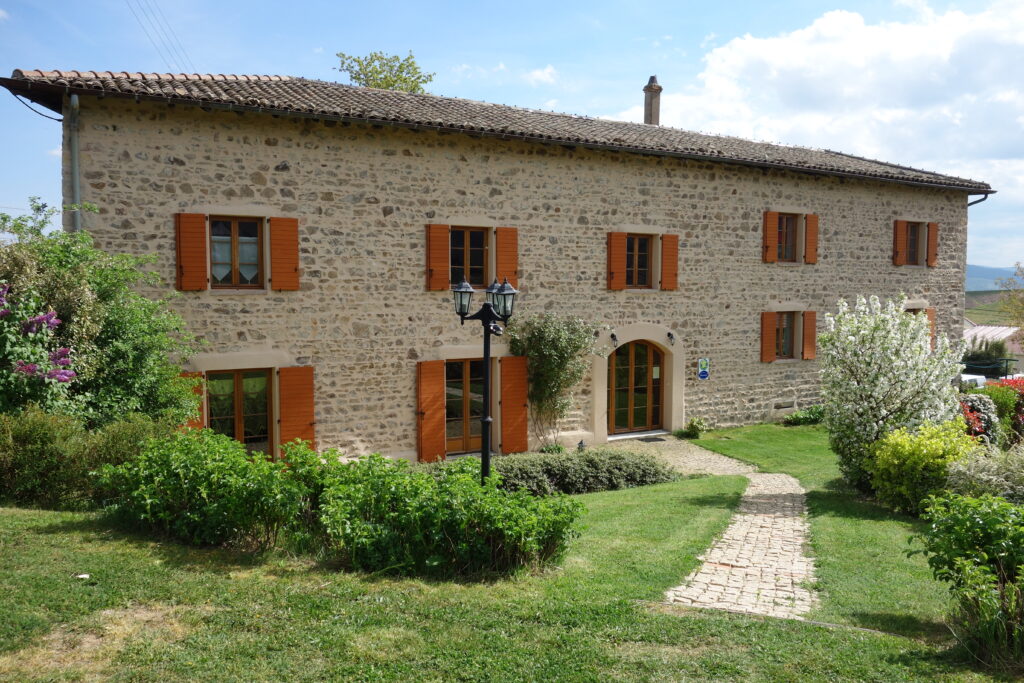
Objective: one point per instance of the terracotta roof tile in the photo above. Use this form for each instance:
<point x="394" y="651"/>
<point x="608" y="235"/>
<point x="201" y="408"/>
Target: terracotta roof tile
<point x="322" y="99"/>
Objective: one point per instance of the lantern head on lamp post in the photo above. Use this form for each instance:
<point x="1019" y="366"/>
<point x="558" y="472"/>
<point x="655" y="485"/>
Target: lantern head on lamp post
<point x="499" y="301"/>
<point x="463" y="293"/>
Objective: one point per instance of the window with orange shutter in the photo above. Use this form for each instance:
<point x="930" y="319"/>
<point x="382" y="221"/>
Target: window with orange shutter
<point x="238" y="405"/>
<point x="236" y="252"/>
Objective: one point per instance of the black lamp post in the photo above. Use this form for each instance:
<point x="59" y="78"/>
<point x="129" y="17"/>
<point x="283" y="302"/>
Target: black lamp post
<point x="499" y="301"/>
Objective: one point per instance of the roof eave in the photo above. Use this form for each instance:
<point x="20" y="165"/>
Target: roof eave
<point x="50" y="95"/>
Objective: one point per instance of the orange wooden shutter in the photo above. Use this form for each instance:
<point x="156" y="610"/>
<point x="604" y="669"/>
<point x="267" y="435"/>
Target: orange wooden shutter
<point x="506" y="255"/>
<point x="438" y="258"/>
<point x="810" y="335"/>
<point x="770" y="237"/>
<point x="930" y="312"/>
<point x="670" y="262"/>
<point x="190" y="235"/>
<point x="430" y="416"/>
<point x="811" y="238"/>
<point x="899" y="243"/>
<point x="200" y="389"/>
<point x="513" y="404"/>
<point x="284" y="253"/>
<point x="767" y="337"/>
<point x="933" y="245"/>
<point x="616" y="260"/>
<point x="295" y="391"/>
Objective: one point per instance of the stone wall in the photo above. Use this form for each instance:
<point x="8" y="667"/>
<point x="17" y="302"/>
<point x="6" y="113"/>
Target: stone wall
<point x="363" y="194"/>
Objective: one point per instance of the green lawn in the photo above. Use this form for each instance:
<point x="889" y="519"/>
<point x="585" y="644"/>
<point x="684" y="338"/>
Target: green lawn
<point x="864" y="577"/>
<point x="160" y="611"/>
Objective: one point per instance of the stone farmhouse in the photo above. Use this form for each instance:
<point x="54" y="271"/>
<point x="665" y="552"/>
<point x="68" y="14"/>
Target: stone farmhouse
<point x="314" y="231"/>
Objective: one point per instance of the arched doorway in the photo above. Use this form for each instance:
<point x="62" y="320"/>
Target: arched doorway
<point x="635" y="388"/>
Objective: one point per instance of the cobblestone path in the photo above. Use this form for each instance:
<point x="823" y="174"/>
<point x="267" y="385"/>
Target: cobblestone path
<point x="758" y="566"/>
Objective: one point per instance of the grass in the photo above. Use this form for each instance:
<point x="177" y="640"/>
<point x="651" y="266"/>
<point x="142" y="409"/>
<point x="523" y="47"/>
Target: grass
<point x="864" y="576"/>
<point x="160" y="611"/>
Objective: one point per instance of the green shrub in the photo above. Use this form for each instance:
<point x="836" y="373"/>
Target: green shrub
<point x="46" y="460"/>
<point x="382" y="515"/>
<point x="988" y="617"/>
<point x="203" y="488"/>
<point x="808" y="416"/>
<point x="991" y="472"/>
<point x="107" y="350"/>
<point x="977" y="545"/>
<point x="41" y="460"/>
<point x="1004" y="398"/>
<point x="986" y="531"/>
<point x="594" y="469"/>
<point x="907" y="466"/>
<point x="552" y="448"/>
<point x="556" y="350"/>
<point x="311" y="472"/>
<point x="693" y="429"/>
<point x="982" y="417"/>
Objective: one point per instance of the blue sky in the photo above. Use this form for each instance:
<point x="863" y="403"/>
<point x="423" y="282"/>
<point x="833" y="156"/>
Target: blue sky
<point x="929" y="84"/>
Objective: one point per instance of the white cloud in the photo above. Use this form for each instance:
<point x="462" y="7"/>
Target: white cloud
<point x="551" y="104"/>
<point x="318" y="50"/>
<point x="4" y="15"/>
<point x="546" y="76"/>
<point x="938" y="91"/>
<point x="708" y="40"/>
<point x="55" y="152"/>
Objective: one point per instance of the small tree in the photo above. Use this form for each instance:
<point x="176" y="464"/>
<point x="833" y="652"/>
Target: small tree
<point x="879" y="372"/>
<point x="556" y="350"/>
<point x="386" y="72"/>
<point x="1012" y="301"/>
<point x="126" y="349"/>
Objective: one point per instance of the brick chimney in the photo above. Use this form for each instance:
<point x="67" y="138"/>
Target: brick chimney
<point x="652" y="101"/>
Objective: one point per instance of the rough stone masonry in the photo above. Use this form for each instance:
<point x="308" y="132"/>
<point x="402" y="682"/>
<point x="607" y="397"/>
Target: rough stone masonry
<point x="363" y="195"/>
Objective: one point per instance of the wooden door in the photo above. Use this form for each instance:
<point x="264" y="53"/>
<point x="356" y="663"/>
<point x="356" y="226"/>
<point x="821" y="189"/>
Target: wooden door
<point x="635" y="388"/>
<point x="464" y="404"/>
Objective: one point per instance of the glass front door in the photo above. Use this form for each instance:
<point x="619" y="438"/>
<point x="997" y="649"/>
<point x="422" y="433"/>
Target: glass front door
<point x="635" y="378"/>
<point x="464" y="404"/>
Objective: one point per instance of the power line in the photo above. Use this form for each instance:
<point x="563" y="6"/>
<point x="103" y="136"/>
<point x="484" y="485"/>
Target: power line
<point x="160" y="34"/>
<point x="175" y="42"/>
<point x="152" y="42"/>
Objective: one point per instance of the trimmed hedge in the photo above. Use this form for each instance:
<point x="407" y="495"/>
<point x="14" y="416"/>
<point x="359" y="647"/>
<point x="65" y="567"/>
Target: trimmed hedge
<point x="594" y="469"/>
<point x="46" y="460"/>
<point x="203" y="488"/>
<point x="383" y="515"/>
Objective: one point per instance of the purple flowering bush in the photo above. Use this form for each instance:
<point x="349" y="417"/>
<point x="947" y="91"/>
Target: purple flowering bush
<point x="33" y="368"/>
<point x="80" y="335"/>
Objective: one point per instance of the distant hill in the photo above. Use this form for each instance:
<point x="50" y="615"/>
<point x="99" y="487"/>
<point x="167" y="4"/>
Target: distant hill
<point x="985" y="278"/>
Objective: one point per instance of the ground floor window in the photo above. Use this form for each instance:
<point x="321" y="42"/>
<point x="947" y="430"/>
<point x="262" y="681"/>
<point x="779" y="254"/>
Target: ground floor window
<point x="635" y="382"/>
<point x="785" y="334"/>
<point x="239" y="406"/>
<point x="464" y="404"/>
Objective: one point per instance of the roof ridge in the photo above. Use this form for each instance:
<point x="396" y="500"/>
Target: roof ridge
<point x="143" y="75"/>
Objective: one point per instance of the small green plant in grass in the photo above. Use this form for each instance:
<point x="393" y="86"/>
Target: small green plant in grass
<point x="907" y="466"/>
<point x="552" y="448"/>
<point x="693" y="429"/>
<point x="807" y="416"/>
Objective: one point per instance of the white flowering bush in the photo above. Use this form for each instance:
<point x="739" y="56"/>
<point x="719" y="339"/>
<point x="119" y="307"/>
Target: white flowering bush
<point x="879" y="373"/>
